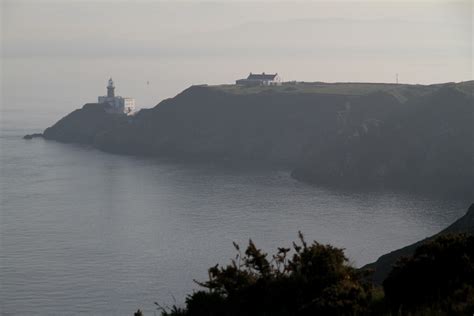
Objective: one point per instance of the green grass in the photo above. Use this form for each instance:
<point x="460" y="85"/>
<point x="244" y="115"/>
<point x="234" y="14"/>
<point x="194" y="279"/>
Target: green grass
<point x="400" y="91"/>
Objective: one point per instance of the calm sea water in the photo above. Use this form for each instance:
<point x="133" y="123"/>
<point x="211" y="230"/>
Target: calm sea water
<point x="86" y="232"/>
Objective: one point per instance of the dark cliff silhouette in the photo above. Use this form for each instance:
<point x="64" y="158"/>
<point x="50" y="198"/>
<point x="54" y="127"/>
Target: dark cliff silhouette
<point x="417" y="138"/>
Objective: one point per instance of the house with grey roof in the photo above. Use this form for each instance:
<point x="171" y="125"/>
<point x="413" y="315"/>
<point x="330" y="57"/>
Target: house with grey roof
<point x="262" y="79"/>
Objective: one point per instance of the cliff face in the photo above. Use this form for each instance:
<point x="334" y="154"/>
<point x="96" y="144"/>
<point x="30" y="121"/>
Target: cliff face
<point x="384" y="264"/>
<point x="394" y="136"/>
<point x="426" y="145"/>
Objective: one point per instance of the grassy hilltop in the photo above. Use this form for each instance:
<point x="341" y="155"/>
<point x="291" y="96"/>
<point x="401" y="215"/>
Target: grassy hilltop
<point x="401" y="91"/>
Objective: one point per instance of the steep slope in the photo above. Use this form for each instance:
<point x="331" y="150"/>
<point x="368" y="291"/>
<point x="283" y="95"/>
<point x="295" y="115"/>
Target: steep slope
<point x="84" y="125"/>
<point x="384" y="264"/>
<point x="426" y="145"/>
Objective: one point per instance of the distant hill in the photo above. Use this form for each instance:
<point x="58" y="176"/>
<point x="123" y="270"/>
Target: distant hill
<point x="415" y="137"/>
<point x="384" y="264"/>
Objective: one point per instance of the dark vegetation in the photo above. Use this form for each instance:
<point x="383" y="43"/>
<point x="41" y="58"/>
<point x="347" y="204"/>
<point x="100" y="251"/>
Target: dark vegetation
<point x="432" y="277"/>
<point x="438" y="277"/>
<point x="384" y="264"/>
<point x="408" y="137"/>
<point x="308" y="279"/>
<point x="316" y="279"/>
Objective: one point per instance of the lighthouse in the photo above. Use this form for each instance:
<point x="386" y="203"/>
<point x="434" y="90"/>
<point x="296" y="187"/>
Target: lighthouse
<point x="117" y="104"/>
<point x="111" y="89"/>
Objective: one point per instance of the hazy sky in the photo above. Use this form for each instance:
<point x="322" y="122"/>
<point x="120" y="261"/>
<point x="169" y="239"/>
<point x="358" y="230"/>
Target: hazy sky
<point x="190" y="42"/>
<point x="225" y="28"/>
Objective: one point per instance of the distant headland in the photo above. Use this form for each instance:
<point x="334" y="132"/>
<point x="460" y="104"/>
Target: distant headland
<point x="418" y="138"/>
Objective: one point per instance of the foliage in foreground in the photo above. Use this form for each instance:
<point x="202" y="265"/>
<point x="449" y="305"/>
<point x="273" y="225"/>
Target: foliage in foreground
<point x="317" y="280"/>
<point x="439" y="276"/>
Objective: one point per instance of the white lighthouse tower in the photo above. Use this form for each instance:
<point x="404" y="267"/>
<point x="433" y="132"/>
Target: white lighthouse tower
<point x="111" y="89"/>
<point x="118" y="104"/>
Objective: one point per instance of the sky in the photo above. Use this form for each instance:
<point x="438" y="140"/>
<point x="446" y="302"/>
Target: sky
<point x="179" y="43"/>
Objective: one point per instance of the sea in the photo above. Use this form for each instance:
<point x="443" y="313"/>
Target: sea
<point x="83" y="232"/>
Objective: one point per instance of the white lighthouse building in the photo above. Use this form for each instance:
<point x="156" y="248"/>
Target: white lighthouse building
<point x="118" y="104"/>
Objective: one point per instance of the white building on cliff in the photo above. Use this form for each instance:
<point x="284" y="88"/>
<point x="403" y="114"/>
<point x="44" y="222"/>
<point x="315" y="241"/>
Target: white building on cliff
<point x="262" y="79"/>
<point x="118" y="104"/>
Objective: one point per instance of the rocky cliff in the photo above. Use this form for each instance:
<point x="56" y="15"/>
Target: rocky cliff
<point x="426" y="145"/>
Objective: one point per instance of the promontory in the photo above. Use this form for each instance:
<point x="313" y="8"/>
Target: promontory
<point x="416" y="137"/>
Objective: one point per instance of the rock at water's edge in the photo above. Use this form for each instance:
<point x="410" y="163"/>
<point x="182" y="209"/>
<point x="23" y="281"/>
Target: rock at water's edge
<point x="31" y="136"/>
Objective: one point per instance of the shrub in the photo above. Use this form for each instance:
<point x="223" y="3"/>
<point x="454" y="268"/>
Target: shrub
<point x="439" y="276"/>
<point x="315" y="279"/>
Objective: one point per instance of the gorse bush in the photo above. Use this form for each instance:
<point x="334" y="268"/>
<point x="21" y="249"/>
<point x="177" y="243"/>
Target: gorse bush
<point x="305" y="280"/>
<point x="439" y="275"/>
<point x="316" y="279"/>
